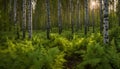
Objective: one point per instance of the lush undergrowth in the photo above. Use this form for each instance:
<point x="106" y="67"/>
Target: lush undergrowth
<point x="65" y="51"/>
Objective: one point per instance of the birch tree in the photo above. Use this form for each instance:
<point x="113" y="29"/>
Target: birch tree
<point x="101" y="17"/>
<point x="15" y="13"/>
<point x="93" y="20"/>
<point x="86" y="16"/>
<point x="105" y="22"/>
<point x="10" y="15"/>
<point x="71" y="12"/>
<point x="59" y="17"/>
<point x="24" y="19"/>
<point x="48" y="18"/>
<point x="16" y="19"/>
<point x="30" y="19"/>
<point x="78" y="14"/>
<point x="118" y="11"/>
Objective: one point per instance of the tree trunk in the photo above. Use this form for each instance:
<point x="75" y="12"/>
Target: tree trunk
<point x="30" y="19"/>
<point x="113" y="12"/>
<point x="48" y="18"/>
<point x="10" y="15"/>
<point x="24" y="19"/>
<point x="106" y="22"/>
<point x="119" y="11"/>
<point x="15" y="19"/>
<point x="5" y="13"/>
<point x="101" y="17"/>
<point x="86" y="16"/>
<point x="15" y="13"/>
<point x="78" y="15"/>
<point x="93" y="20"/>
<point x="71" y="12"/>
<point x="59" y="17"/>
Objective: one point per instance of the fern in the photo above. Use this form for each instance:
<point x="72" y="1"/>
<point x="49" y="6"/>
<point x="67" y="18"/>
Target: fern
<point x="97" y="57"/>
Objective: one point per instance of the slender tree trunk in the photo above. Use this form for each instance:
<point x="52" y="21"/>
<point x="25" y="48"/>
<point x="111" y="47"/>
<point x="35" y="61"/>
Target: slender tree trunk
<point x="48" y="18"/>
<point x="68" y="17"/>
<point x="59" y="17"/>
<point x="18" y="21"/>
<point x="115" y="1"/>
<point x="71" y="12"/>
<point x="88" y="9"/>
<point x="83" y="16"/>
<point x="97" y="13"/>
<point x="30" y="19"/>
<point x="15" y="13"/>
<point x="113" y="11"/>
<point x="119" y="11"/>
<point x="101" y="17"/>
<point x="15" y="19"/>
<point x="86" y="16"/>
<point x="106" y="22"/>
<point x="93" y="20"/>
<point x="24" y="19"/>
<point x="111" y="16"/>
<point x="10" y="15"/>
<point x="78" y="15"/>
<point x="5" y="13"/>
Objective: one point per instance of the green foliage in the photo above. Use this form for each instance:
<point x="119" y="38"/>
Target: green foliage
<point x="114" y="33"/>
<point x="15" y="55"/>
<point x="29" y="54"/>
<point x="47" y="59"/>
<point x="115" y="37"/>
<point x="65" y="51"/>
<point x="100" y="57"/>
<point x="60" y="52"/>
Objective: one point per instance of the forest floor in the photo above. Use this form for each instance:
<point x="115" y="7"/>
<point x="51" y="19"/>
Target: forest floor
<point x="65" y="51"/>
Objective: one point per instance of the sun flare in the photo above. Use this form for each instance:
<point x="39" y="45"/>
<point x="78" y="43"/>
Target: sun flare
<point x="93" y="5"/>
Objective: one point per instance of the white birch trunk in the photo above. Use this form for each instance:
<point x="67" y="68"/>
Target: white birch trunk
<point x="59" y="17"/>
<point x="48" y="18"/>
<point x="15" y="13"/>
<point x="86" y="16"/>
<point x="105" y="22"/>
<point x="30" y="19"/>
<point x="101" y="17"/>
<point x="78" y="15"/>
<point x="71" y="17"/>
<point x="24" y="19"/>
<point x="93" y="20"/>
